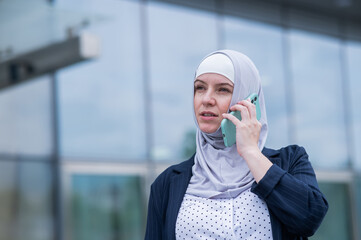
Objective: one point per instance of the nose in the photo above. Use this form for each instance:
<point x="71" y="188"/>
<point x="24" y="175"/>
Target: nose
<point x="208" y="98"/>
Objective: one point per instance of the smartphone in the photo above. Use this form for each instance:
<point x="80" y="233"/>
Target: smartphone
<point x="229" y="129"/>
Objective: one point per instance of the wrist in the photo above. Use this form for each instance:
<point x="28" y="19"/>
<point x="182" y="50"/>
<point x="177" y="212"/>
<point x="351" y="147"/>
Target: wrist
<point x="257" y="162"/>
<point x="251" y="152"/>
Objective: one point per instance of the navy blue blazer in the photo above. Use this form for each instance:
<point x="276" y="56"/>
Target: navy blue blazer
<point x="289" y="188"/>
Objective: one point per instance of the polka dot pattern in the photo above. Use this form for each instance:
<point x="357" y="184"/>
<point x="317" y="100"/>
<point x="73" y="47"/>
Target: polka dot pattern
<point x="243" y="217"/>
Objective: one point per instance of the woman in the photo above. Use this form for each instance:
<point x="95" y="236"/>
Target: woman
<point x="245" y="191"/>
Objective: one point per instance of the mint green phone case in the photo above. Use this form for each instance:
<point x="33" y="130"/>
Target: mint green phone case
<point x="229" y="129"/>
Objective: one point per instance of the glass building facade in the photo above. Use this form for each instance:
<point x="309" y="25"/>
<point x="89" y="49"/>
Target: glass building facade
<point x="80" y="146"/>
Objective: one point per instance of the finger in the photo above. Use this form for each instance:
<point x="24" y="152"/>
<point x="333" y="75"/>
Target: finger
<point x="243" y="109"/>
<point x="232" y="118"/>
<point x="251" y="108"/>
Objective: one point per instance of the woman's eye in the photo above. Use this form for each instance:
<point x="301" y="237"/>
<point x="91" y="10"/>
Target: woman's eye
<point x="198" y="87"/>
<point x="224" y="90"/>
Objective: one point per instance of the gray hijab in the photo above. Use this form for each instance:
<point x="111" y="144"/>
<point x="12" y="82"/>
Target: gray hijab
<point x="219" y="171"/>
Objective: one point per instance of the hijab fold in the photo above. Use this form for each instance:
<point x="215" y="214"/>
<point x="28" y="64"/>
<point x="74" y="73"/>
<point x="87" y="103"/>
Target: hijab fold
<point x="219" y="171"/>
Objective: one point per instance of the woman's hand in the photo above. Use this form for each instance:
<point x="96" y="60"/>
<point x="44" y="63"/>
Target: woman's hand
<point x="248" y="130"/>
<point x="247" y="136"/>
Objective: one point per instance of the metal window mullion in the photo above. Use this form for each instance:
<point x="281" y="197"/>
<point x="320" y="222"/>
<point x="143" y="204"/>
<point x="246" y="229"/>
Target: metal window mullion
<point x="348" y="124"/>
<point x="345" y="88"/>
<point x="147" y="96"/>
<point x="55" y="161"/>
<point x="220" y="24"/>
<point x="288" y="79"/>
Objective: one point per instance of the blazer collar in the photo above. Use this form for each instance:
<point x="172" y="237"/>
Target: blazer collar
<point x="177" y="188"/>
<point x="184" y="166"/>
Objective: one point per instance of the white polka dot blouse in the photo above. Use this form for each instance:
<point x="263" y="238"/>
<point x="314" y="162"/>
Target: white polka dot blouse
<point x="243" y="217"/>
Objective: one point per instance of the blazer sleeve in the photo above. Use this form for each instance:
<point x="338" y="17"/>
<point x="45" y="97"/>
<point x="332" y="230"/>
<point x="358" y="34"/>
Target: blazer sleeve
<point x="292" y="195"/>
<point x="153" y="229"/>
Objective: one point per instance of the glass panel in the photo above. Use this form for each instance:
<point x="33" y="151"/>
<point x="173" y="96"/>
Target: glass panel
<point x="101" y="102"/>
<point x="8" y="206"/>
<point x="318" y="98"/>
<point x="40" y="25"/>
<point x="32" y="17"/>
<point x="249" y="38"/>
<point x="107" y="207"/>
<point x="337" y="223"/>
<point x="353" y="60"/>
<point x="25" y="118"/>
<point x="35" y="210"/>
<point x="179" y="39"/>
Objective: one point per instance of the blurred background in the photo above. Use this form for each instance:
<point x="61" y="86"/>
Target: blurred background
<point x="96" y="100"/>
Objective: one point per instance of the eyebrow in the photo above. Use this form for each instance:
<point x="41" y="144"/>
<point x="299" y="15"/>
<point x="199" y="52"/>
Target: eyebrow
<point x="218" y="84"/>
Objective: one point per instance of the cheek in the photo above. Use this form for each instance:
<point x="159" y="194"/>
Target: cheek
<point x="225" y="105"/>
<point x="195" y="109"/>
<point x="195" y="102"/>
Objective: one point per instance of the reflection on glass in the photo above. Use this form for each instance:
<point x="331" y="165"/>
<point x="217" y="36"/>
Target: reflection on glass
<point x="8" y="206"/>
<point x="25" y="118"/>
<point x="337" y="223"/>
<point x="318" y="98"/>
<point x="189" y="143"/>
<point x="179" y="39"/>
<point x="107" y="207"/>
<point x="101" y="102"/>
<point x="35" y="203"/>
<point x="25" y="25"/>
<point x="357" y="193"/>
<point x="249" y="38"/>
<point x="353" y="60"/>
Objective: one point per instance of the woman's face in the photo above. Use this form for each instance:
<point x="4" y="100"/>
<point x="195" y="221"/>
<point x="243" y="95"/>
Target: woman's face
<point x="212" y="96"/>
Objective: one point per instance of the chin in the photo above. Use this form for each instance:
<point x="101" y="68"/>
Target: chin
<point x="208" y="129"/>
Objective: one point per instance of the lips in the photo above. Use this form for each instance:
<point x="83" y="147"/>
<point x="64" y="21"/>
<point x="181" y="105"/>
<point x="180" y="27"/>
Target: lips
<point x="207" y="115"/>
